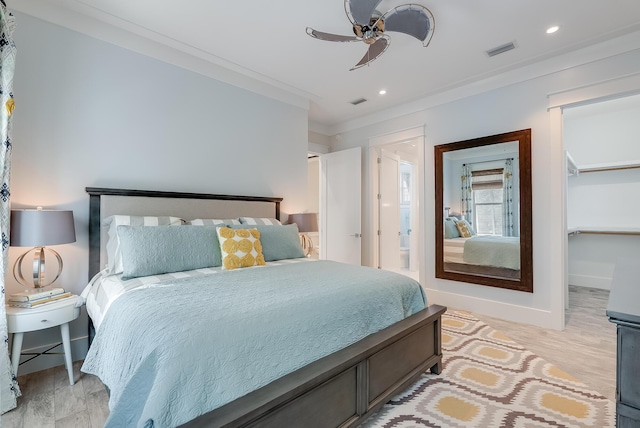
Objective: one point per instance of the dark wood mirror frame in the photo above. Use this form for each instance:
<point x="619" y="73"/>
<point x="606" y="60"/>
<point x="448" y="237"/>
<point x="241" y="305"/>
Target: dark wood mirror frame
<point x="525" y="283"/>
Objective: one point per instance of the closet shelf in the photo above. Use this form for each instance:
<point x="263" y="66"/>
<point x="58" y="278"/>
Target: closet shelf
<point x="629" y="231"/>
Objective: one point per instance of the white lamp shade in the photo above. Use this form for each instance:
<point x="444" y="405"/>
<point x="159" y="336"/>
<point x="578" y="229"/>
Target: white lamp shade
<point x="40" y="228"/>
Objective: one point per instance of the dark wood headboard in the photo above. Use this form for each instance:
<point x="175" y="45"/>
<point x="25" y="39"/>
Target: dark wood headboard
<point x="176" y="204"/>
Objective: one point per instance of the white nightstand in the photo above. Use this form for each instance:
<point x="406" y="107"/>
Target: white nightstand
<point x="22" y="320"/>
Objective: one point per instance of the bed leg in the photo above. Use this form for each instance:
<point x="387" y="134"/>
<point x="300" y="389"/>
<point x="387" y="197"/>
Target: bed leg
<point x="437" y="325"/>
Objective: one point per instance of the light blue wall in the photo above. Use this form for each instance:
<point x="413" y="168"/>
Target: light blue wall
<point x="92" y="114"/>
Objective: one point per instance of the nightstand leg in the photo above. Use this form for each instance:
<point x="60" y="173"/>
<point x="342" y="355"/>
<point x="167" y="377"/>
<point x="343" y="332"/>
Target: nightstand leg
<point x="15" y="351"/>
<point x="64" y="331"/>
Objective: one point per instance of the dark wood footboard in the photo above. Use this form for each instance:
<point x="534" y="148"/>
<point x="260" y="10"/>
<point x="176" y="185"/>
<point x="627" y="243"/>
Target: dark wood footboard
<point x="344" y="388"/>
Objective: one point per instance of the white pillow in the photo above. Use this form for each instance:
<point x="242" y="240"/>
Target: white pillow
<point x="114" y="254"/>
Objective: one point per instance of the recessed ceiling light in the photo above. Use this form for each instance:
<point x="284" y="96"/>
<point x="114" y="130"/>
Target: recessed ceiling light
<point x="382" y="91"/>
<point x="553" y="29"/>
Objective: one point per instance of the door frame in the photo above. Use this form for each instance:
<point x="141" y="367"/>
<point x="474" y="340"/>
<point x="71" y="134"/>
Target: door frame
<point x="417" y="133"/>
<point x="557" y="102"/>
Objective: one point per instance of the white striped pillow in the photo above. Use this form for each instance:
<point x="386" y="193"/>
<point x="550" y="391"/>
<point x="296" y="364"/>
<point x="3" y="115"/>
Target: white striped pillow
<point x="255" y="221"/>
<point x="212" y="222"/>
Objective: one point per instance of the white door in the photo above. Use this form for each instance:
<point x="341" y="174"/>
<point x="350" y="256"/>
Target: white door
<point x="340" y="206"/>
<point x="389" y="210"/>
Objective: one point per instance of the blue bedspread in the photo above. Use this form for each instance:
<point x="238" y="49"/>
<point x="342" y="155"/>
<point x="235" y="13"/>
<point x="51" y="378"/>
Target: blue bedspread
<point x="499" y="251"/>
<point x="182" y="348"/>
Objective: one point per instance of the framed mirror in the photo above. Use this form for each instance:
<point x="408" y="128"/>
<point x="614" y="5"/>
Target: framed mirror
<point x="483" y="211"/>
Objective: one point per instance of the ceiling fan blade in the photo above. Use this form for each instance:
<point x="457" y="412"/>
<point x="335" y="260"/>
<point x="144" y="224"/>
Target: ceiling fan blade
<point x="412" y="19"/>
<point x="375" y="50"/>
<point x="360" y="11"/>
<point x="330" y="37"/>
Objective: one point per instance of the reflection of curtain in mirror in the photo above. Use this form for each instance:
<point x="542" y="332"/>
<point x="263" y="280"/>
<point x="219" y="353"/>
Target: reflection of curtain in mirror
<point x="507" y="200"/>
<point x="466" y="201"/>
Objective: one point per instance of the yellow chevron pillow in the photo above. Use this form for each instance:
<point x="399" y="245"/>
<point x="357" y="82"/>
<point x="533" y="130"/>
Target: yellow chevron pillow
<point x="240" y="248"/>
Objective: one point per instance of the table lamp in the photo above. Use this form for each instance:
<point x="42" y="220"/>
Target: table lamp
<point x="40" y="228"/>
<point x="307" y="222"/>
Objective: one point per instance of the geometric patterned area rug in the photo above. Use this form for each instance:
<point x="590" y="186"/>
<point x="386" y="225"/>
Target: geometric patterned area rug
<point x="488" y="380"/>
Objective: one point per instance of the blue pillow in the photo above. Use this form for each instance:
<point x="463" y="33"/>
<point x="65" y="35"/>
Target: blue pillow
<point x="278" y="242"/>
<point x="450" y="229"/>
<point x="154" y="250"/>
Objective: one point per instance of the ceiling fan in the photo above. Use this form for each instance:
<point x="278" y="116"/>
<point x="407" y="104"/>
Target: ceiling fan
<point x="369" y="26"/>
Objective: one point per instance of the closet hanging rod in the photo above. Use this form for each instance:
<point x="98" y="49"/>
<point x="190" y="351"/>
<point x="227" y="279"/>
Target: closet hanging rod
<point x="604" y="231"/>
<point x="612" y="168"/>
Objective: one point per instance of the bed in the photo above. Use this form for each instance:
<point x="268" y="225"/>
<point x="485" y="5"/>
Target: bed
<point x="338" y="384"/>
<point x="486" y="255"/>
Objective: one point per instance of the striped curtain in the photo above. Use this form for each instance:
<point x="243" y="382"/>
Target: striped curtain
<point x="466" y="195"/>
<point x="507" y="199"/>
<point x="9" y="389"/>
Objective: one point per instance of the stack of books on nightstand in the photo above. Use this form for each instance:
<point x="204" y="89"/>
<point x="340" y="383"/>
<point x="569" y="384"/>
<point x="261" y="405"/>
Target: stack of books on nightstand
<point x="32" y="299"/>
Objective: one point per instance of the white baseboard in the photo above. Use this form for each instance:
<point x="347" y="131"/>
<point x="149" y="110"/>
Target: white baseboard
<point x="590" y="281"/>
<point x="79" y="346"/>
<point x="506" y="311"/>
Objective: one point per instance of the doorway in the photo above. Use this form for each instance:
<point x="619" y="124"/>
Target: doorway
<point x="602" y="224"/>
<point x="559" y="171"/>
<point x="395" y="171"/>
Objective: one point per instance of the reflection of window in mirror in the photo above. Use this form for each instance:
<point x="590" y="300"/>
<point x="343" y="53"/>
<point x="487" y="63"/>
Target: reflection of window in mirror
<point x="487" y="190"/>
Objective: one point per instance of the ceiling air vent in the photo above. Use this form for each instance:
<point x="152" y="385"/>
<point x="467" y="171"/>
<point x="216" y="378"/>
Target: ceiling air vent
<point x="501" y="49"/>
<point x="358" y="101"/>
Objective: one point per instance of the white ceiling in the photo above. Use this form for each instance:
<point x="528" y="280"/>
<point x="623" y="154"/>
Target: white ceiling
<point x="267" y="40"/>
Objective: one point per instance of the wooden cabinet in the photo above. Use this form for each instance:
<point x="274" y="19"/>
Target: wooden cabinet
<point x="624" y="310"/>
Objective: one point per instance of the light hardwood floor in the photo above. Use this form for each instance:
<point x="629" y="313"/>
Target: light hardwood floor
<point x="586" y="349"/>
<point x="49" y="401"/>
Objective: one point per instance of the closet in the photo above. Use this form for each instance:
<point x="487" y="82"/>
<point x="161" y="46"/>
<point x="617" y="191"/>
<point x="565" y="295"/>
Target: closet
<point x="603" y="188"/>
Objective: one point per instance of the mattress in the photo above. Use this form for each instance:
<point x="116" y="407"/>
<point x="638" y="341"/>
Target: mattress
<point x="170" y="349"/>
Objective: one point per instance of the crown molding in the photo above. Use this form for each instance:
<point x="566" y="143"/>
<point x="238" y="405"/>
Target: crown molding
<point x="95" y="23"/>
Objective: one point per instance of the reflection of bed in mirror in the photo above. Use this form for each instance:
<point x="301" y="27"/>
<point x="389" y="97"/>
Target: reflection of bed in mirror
<point x="483" y="255"/>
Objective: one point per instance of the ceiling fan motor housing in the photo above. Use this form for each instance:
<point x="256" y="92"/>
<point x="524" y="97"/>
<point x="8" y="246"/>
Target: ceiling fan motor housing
<point x="369" y="33"/>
